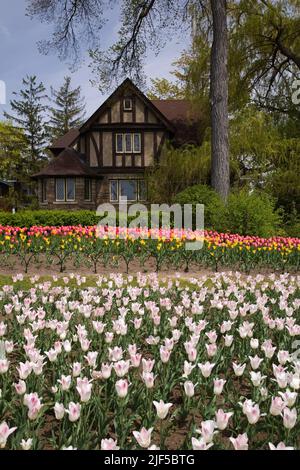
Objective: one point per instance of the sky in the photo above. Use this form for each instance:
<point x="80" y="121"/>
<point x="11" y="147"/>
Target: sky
<point x="20" y="56"/>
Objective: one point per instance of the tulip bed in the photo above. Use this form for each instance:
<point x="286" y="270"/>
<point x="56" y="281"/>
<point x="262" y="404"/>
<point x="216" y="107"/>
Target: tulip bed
<point x="150" y="362"/>
<point x="84" y="246"/>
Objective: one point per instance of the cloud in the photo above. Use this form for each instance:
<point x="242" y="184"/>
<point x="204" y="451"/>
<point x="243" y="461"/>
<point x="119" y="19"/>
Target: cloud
<point x="4" y="31"/>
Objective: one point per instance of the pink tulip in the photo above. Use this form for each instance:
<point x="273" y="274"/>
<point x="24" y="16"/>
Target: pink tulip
<point x="289" y="418"/>
<point x="206" y="368"/>
<point x="24" y="370"/>
<point x="84" y="388"/>
<point x="4" y="365"/>
<point x="5" y="432"/>
<point x="238" y="369"/>
<point x="256" y="378"/>
<point x="67" y="346"/>
<point x="76" y="369"/>
<point x="192" y="354"/>
<point x="52" y="355"/>
<point x="143" y="437"/>
<point x="106" y="370"/>
<point x="59" y="411"/>
<point x="228" y="340"/>
<point x="254" y="343"/>
<point x="121" y="388"/>
<point x="73" y="411"/>
<point x="294" y="381"/>
<point x="189" y="388"/>
<point x="268" y="349"/>
<point x="135" y="360"/>
<point x="289" y="397"/>
<point x="188" y="368"/>
<point x="33" y="402"/>
<point x="91" y="358"/>
<point x="109" y="336"/>
<point x="98" y="326"/>
<point x="3" y="329"/>
<point x="283" y="357"/>
<point x="280" y="446"/>
<point x="109" y="444"/>
<point x="162" y="408"/>
<point x="164" y="354"/>
<point x="65" y="382"/>
<point x="240" y="442"/>
<point x="26" y="445"/>
<point x="255" y="362"/>
<point x="85" y="344"/>
<point x="212" y="336"/>
<point x="115" y="354"/>
<point x="211" y="349"/>
<point x="137" y="323"/>
<point x="121" y="368"/>
<point x="148" y="379"/>
<point x="277" y="406"/>
<point x="252" y="411"/>
<point x="9" y="346"/>
<point x="207" y="430"/>
<point x="200" y="444"/>
<point x="218" y="386"/>
<point x="148" y="364"/>
<point x="222" y="419"/>
<point x="20" y="387"/>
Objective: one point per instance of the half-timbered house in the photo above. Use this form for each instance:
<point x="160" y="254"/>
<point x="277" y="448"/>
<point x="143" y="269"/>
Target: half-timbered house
<point x="105" y="160"/>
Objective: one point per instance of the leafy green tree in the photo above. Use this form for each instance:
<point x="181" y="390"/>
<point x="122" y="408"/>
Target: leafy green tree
<point x="178" y="169"/>
<point x="12" y="156"/>
<point x="163" y="89"/>
<point x="265" y="46"/>
<point x="68" y="110"/>
<point x="29" y="115"/>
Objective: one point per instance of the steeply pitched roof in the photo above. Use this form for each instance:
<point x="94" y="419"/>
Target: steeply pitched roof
<point x="125" y="85"/>
<point x="185" y="119"/>
<point x="177" y="115"/>
<point x="66" y="140"/>
<point x="68" y="163"/>
<point x="175" y="110"/>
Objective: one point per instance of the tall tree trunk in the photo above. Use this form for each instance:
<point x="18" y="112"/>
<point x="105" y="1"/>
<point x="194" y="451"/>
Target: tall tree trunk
<point x="219" y="99"/>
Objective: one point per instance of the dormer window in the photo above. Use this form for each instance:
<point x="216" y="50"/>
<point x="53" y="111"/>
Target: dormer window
<point x="127" y="104"/>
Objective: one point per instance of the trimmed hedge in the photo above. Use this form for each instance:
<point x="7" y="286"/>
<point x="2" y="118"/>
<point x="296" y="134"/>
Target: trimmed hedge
<point x="48" y="218"/>
<point x="58" y="218"/>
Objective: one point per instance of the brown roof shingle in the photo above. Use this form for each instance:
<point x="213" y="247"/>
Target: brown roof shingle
<point x="66" y="140"/>
<point x="68" y="163"/>
<point x="185" y="119"/>
<point x="175" y="110"/>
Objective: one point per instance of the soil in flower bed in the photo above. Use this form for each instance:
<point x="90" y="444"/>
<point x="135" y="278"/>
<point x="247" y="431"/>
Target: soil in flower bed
<point x="43" y="268"/>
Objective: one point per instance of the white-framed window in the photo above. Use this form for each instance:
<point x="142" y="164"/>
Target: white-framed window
<point x="114" y="190"/>
<point x="44" y="190"/>
<point x="131" y="190"/>
<point x="87" y="189"/>
<point x="60" y="187"/>
<point x="119" y="143"/>
<point x="127" y="104"/>
<point x="70" y="189"/>
<point x="128" y="190"/>
<point x="137" y="143"/>
<point x="128" y="143"/>
<point x="65" y="189"/>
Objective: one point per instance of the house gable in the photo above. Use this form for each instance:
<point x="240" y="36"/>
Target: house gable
<point x="113" y="111"/>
